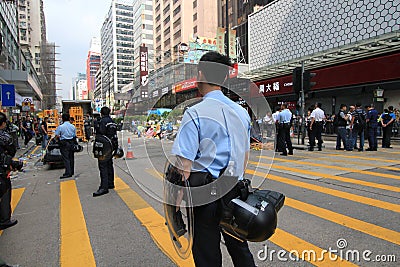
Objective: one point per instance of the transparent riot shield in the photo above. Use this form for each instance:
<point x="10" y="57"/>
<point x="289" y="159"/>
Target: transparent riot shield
<point x="178" y="209"/>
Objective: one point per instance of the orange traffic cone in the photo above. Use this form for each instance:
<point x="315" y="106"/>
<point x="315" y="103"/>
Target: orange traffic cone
<point x="129" y="152"/>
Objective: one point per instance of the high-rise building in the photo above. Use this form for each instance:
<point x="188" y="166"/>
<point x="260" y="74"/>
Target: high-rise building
<point x="92" y="65"/>
<point x="117" y="54"/>
<point x="23" y="44"/>
<point x="143" y="31"/>
<point x="32" y="30"/>
<point x="177" y="21"/>
<point x="79" y="87"/>
<point x="33" y="42"/>
<point x="238" y="12"/>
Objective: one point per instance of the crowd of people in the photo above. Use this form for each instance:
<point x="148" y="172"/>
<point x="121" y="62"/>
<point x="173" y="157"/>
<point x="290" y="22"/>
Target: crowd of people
<point x="353" y="125"/>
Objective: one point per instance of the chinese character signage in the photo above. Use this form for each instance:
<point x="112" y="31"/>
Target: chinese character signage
<point x="221" y="40"/>
<point x="144" y="71"/>
<point x="277" y="86"/>
<point x="232" y="44"/>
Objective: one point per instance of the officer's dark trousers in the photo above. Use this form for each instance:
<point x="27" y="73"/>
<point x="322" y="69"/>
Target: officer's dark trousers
<point x="106" y="173"/>
<point x="284" y="134"/>
<point x="67" y="155"/>
<point x="207" y="236"/>
<point x="316" y="133"/>
<point x="387" y="133"/>
<point x="372" y="137"/>
<point x="5" y="201"/>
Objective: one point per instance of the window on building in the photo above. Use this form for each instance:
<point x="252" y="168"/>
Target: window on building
<point x="177" y="35"/>
<point x="177" y="23"/>
<point x="177" y="10"/>
<point x="166" y="9"/>
<point x="194" y="3"/>
<point x="195" y="17"/>
<point x="167" y="20"/>
<point x="195" y="29"/>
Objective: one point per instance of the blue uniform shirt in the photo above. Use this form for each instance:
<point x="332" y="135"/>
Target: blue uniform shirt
<point x="284" y="116"/>
<point x="66" y="131"/>
<point x="214" y="132"/>
<point x="372" y="116"/>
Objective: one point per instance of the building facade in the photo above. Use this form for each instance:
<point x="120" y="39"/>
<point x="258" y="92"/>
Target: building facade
<point x="354" y="49"/>
<point x="178" y="21"/>
<point x="17" y="65"/>
<point x="238" y="12"/>
<point x="143" y="32"/>
<point x="79" y="87"/>
<point x="117" y="49"/>
<point x="92" y="66"/>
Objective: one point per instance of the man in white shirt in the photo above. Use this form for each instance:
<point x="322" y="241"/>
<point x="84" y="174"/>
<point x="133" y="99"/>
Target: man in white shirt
<point x="316" y="126"/>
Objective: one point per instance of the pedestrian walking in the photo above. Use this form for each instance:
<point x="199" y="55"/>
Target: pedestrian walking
<point x="66" y="134"/>
<point x="108" y="129"/>
<point x="7" y="152"/>
<point x="387" y="121"/>
<point x="27" y="127"/>
<point x="372" y="126"/>
<point x="227" y="124"/>
<point x="285" y="118"/>
<point x="316" y="126"/>
<point x="44" y="132"/>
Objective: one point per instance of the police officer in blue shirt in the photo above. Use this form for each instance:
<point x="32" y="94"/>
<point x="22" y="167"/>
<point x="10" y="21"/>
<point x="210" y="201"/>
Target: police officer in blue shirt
<point x="66" y="133"/>
<point x="284" y="119"/>
<point x="213" y="134"/>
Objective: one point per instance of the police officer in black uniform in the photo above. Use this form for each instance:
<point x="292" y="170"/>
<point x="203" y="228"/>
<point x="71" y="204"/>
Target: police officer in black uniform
<point x="7" y="152"/>
<point x="107" y="127"/>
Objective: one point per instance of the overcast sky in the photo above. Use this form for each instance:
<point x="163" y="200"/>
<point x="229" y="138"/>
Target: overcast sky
<point x="71" y="24"/>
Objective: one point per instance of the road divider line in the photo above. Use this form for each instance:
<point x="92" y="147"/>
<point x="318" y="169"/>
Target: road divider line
<point x="336" y="193"/>
<point x="346" y="161"/>
<point x="152" y="220"/>
<point x="34" y="150"/>
<point x="16" y="196"/>
<point x="75" y="248"/>
<point x="332" y="177"/>
<point x="361" y="226"/>
<point x="306" y="250"/>
<point x="364" y="158"/>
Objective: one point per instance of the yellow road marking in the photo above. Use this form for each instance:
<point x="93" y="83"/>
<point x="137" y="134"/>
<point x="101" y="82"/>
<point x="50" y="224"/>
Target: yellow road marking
<point x="295" y="245"/>
<point x="332" y="177"/>
<point x="34" y="150"/>
<point x="16" y="196"/>
<point x="346" y="161"/>
<point x="364" y="158"/>
<point x="364" y="227"/>
<point x="152" y="220"/>
<point x="328" y="191"/>
<point x="75" y="249"/>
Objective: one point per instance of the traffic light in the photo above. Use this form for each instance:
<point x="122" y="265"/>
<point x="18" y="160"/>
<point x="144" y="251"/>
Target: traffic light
<point x="307" y="80"/>
<point x="297" y="80"/>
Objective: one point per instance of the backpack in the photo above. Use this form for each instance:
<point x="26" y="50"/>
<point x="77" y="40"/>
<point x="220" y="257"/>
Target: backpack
<point x="111" y="132"/>
<point x="359" y="120"/>
<point x="336" y="120"/>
